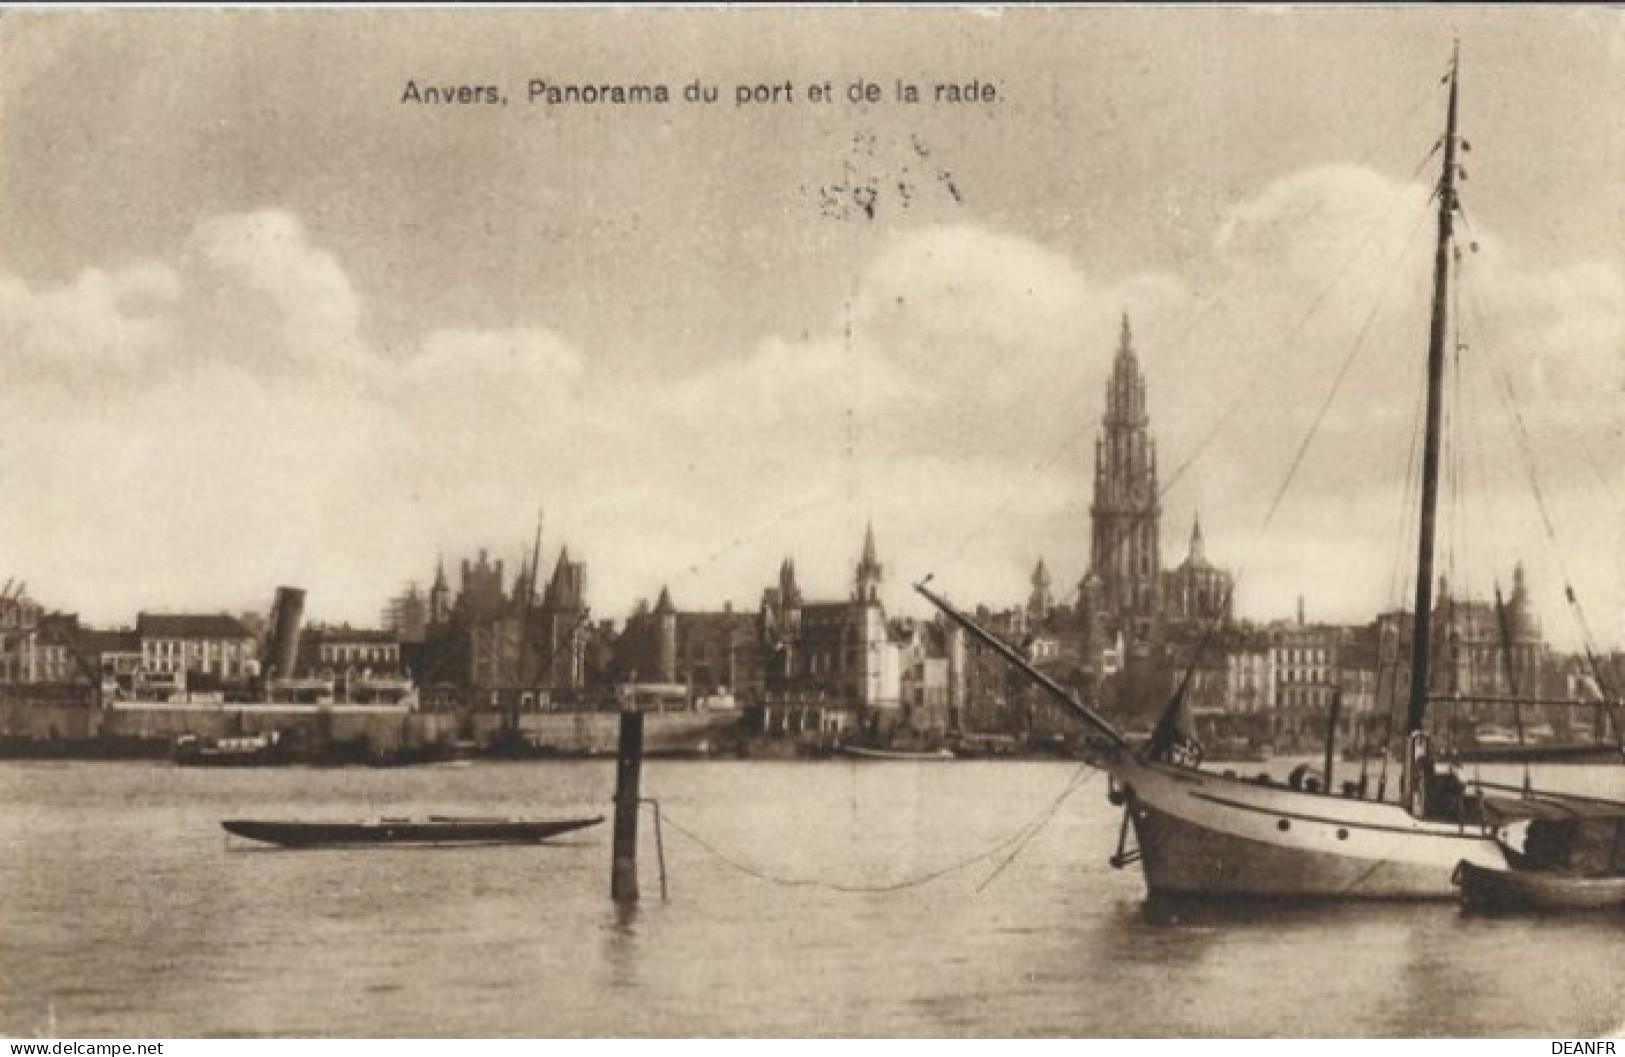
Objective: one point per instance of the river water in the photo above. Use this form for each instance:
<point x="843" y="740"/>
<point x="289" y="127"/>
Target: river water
<point x="126" y="911"/>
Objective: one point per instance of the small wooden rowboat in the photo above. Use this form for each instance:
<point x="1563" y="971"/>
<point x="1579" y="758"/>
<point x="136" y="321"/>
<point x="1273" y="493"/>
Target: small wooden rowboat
<point x="1528" y="889"/>
<point x="436" y="829"/>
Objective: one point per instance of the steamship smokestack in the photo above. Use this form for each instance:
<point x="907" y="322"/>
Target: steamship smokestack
<point x="286" y="614"/>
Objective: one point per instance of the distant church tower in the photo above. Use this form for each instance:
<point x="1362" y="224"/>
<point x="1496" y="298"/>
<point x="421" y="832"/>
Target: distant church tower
<point x="665" y="638"/>
<point x="1198" y="591"/>
<point x="1125" y="555"/>
<point x="867" y="580"/>
<point x="440" y="598"/>
<point x="1041" y="601"/>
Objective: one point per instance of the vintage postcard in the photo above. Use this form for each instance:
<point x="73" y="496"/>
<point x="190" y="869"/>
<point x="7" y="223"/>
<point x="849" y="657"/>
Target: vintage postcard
<point x="811" y="522"/>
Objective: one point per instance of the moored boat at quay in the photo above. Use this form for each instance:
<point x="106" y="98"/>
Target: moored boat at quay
<point x="254" y="750"/>
<point x="1529" y="889"/>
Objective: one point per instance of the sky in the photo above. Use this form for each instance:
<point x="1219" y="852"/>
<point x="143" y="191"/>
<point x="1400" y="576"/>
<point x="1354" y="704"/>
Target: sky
<point x="263" y="322"/>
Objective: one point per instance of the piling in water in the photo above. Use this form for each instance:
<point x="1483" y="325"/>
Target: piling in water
<point x="623" y="878"/>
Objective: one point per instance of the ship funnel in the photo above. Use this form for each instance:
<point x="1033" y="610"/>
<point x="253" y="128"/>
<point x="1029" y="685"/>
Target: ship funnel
<point x="282" y="651"/>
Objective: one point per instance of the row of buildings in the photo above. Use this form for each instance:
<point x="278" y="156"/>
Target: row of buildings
<point x="1127" y="636"/>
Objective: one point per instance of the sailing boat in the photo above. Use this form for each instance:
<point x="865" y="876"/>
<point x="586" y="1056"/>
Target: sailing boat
<point x="1208" y="834"/>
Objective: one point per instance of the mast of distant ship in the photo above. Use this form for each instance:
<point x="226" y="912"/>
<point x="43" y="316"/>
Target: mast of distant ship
<point x="1421" y="640"/>
<point x="530" y="604"/>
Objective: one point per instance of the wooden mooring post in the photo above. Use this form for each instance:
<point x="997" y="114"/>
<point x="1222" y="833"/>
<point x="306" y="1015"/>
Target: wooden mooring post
<point x="623" y="878"/>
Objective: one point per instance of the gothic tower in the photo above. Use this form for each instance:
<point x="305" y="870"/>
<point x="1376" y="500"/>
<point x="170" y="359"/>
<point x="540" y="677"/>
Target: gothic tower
<point x="666" y="638"/>
<point x="1125" y="548"/>
<point x="1041" y="601"/>
<point x="868" y="573"/>
<point x="440" y="597"/>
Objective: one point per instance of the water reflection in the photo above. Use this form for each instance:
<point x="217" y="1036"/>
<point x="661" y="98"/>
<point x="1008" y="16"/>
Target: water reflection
<point x="1163" y="911"/>
<point x="620" y="946"/>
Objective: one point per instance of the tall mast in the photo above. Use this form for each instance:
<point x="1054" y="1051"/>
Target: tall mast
<point x="530" y="599"/>
<point x="1422" y="639"/>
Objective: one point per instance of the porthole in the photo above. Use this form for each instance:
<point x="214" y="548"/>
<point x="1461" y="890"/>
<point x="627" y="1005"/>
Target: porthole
<point x="1283" y="825"/>
<point x="1342" y="834"/>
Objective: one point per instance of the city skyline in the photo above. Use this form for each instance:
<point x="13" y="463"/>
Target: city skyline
<point x="265" y="323"/>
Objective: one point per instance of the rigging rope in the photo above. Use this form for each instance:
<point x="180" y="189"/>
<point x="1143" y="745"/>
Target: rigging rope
<point x="1016" y="843"/>
<point x="1337" y="382"/>
<point x="1404" y="544"/>
<point x="1530" y="466"/>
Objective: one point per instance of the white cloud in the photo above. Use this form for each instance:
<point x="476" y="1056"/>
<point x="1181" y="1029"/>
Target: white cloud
<point x="263" y="297"/>
<point x="99" y="329"/>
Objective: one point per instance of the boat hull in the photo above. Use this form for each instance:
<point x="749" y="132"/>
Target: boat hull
<point x="217" y="758"/>
<point x="859" y="752"/>
<point x="1515" y="889"/>
<point x="1209" y="835"/>
<point x="431" y="831"/>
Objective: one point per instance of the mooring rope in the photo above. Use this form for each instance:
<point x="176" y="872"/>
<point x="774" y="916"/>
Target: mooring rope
<point x="1016" y="843"/>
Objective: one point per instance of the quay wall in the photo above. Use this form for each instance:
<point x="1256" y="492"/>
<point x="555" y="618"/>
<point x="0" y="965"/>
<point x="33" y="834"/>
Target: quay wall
<point x="565" y="732"/>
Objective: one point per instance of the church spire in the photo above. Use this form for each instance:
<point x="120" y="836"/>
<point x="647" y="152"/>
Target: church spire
<point x="869" y="569"/>
<point x="1198" y="551"/>
<point x="1125" y="394"/>
<point x="440" y="595"/>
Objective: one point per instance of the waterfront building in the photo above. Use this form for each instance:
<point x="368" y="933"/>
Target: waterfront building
<point x="835" y="651"/>
<point x="1249" y="674"/>
<point x="1305" y="659"/>
<point x="1197" y="591"/>
<point x="499" y="647"/>
<point x="561" y="630"/>
<point x="19" y="634"/>
<point x="335" y="650"/>
<point x="50" y="653"/>
<point x="932" y="676"/>
<point x="1490" y="648"/>
<point x="482" y="593"/>
<point x="116" y="655"/>
<point x="494" y="655"/>
<point x="214" y="646"/>
<point x="713" y="656"/>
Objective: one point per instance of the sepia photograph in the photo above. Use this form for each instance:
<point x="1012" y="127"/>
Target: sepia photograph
<point x="812" y="522"/>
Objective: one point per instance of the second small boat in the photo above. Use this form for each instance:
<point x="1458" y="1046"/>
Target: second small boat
<point x="1572" y="861"/>
<point x="1483" y="888"/>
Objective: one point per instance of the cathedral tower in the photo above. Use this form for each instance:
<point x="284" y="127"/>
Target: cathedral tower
<point x="1125" y="549"/>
